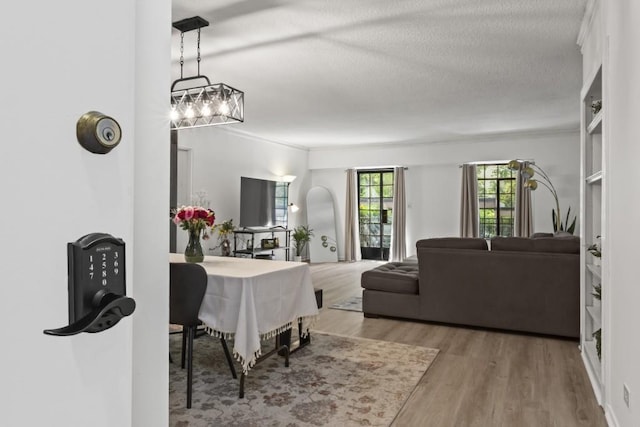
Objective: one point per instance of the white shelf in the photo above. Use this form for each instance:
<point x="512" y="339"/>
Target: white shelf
<point x="596" y="315"/>
<point x="596" y="270"/>
<point x="596" y="124"/>
<point x="595" y="178"/>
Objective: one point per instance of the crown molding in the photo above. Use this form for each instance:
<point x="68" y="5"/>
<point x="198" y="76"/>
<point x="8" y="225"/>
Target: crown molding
<point x="478" y="138"/>
<point x="246" y="134"/>
<point x="483" y="138"/>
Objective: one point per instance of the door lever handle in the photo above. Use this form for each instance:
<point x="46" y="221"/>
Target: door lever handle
<point x="110" y="308"/>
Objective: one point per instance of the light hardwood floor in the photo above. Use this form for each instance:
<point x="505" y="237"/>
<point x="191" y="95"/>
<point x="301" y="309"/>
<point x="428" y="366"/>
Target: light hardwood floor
<point x="479" y="378"/>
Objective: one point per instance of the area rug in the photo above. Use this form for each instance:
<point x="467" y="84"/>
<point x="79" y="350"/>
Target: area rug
<point x="335" y="381"/>
<point x="350" y="304"/>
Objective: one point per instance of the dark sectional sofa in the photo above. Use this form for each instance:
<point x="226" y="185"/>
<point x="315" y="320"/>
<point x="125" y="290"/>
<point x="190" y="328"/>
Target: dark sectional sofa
<point x="521" y="284"/>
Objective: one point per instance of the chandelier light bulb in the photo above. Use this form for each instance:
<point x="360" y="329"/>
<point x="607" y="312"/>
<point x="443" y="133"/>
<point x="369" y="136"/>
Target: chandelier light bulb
<point x="224" y="108"/>
<point x="174" y="114"/>
<point x="189" y="112"/>
<point x="206" y="111"/>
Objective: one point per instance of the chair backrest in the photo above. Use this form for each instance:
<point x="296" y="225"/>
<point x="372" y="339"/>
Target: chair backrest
<point x="188" y="283"/>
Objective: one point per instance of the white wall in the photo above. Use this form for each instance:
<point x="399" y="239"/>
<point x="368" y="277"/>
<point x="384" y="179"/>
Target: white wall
<point x="433" y="177"/>
<point x="623" y="135"/>
<point x="220" y="156"/>
<point x="65" y="60"/>
<point x="150" y="285"/>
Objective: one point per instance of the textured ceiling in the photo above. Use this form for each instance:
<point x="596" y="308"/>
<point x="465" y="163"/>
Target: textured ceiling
<point x="320" y="73"/>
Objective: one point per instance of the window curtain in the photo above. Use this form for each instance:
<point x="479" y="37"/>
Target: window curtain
<point x="398" y="251"/>
<point x="352" y="224"/>
<point x="469" y="219"/>
<point x="524" y="215"/>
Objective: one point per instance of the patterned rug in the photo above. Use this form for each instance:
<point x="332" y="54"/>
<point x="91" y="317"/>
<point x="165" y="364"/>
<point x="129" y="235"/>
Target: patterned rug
<point x="350" y="304"/>
<point x="335" y="381"/>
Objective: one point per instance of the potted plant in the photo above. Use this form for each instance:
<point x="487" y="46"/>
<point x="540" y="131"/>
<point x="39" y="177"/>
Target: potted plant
<point x="595" y="250"/>
<point x="225" y="229"/>
<point x="301" y="236"/>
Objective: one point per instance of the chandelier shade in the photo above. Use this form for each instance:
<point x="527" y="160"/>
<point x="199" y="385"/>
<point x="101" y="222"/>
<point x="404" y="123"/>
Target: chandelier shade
<point x="207" y="104"/>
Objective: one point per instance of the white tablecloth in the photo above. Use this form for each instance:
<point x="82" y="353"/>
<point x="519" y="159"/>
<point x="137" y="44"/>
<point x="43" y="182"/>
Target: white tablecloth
<point x="252" y="299"/>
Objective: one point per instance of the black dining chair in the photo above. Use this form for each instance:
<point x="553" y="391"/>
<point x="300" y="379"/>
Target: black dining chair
<point x="188" y="283"/>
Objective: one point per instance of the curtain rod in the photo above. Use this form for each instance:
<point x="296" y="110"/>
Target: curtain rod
<point x="377" y="167"/>
<point x="486" y="162"/>
<point x="494" y="162"/>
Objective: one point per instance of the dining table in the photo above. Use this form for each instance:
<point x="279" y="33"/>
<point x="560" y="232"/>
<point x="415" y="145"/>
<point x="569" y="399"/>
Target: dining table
<point x="251" y="300"/>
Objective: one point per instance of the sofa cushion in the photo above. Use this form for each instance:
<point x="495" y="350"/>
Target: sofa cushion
<point x="520" y="244"/>
<point x="569" y="245"/>
<point x="565" y="245"/>
<point x="395" y="277"/>
<point x="539" y="235"/>
<point x="453" y="243"/>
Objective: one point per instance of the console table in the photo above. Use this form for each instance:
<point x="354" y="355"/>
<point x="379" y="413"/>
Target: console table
<point x="280" y="234"/>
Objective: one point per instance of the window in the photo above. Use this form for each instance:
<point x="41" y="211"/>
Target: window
<point x="496" y="200"/>
<point x="281" y="203"/>
<point x="375" y="201"/>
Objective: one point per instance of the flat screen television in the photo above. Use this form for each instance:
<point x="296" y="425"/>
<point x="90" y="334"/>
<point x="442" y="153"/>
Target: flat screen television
<point x="258" y="202"/>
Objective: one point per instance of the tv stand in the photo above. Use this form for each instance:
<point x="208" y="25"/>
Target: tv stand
<point x="278" y="234"/>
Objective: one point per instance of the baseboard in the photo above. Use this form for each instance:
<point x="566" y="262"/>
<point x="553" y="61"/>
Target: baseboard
<point x="610" y="416"/>
<point x="593" y="379"/>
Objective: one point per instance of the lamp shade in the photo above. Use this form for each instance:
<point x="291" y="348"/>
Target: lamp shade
<point x="531" y="184"/>
<point x="527" y="172"/>
<point x="514" y="165"/>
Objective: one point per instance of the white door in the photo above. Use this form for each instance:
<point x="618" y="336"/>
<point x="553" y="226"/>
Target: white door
<point x="68" y="59"/>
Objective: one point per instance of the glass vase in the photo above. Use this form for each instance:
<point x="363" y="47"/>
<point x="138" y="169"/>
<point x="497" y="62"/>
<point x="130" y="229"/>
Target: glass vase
<point x="193" y="252"/>
<point x="225" y="247"/>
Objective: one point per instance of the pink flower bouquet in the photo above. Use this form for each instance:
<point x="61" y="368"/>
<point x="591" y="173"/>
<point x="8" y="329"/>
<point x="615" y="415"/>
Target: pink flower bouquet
<point x="194" y="219"/>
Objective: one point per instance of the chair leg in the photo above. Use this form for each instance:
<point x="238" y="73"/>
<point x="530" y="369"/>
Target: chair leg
<point x="184" y="344"/>
<point x="228" y="356"/>
<point x="191" y="332"/>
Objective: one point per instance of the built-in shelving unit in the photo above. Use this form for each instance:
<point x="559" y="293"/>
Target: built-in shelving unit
<point x="592" y="188"/>
<point x="594" y="146"/>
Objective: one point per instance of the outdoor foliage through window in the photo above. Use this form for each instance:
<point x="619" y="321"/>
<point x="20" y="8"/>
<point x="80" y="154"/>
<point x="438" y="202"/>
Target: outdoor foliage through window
<point x="496" y="200"/>
<point x="281" y="203"/>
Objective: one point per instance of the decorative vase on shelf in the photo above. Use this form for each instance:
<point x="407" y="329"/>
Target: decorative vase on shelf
<point x="193" y="252"/>
<point x="225" y="247"/>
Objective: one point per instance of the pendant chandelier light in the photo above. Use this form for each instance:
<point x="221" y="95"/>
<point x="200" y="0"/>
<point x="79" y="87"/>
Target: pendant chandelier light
<point x="207" y="105"/>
